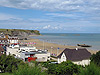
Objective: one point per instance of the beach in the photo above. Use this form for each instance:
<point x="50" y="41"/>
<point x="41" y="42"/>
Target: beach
<point x="52" y="47"/>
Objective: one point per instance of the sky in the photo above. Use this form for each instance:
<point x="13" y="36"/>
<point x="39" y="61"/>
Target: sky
<point x="51" y="16"/>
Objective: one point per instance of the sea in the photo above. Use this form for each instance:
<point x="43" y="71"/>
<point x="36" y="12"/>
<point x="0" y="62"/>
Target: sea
<point x="72" y="39"/>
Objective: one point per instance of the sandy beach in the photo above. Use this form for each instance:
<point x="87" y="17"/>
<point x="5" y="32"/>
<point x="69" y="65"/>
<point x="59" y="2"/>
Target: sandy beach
<point x="51" y="47"/>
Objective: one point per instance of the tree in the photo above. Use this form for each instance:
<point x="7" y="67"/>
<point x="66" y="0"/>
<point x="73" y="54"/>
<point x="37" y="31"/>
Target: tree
<point x="29" y="70"/>
<point x="9" y="63"/>
<point x="96" y="58"/>
<point x="92" y="69"/>
<point x="65" y="68"/>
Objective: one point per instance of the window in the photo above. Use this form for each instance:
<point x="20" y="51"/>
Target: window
<point x="43" y="57"/>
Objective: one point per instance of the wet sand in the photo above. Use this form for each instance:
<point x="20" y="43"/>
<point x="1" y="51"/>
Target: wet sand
<point x="51" y="47"/>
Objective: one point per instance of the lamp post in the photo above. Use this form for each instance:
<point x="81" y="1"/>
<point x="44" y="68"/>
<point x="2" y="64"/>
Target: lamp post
<point x="43" y="44"/>
<point x="51" y="50"/>
<point x="57" y="51"/>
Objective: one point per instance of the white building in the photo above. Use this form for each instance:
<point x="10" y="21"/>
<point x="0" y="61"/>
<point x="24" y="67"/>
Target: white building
<point x="3" y="41"/>
<point x="13" y="40"/>
<point x="16" y="49"/>
<point x="40" y="56"/>
<point x="27" y="49"/>
<point x="25" y="52"/>
<point x="77" y="56"/>
<point x="12" y="50"/>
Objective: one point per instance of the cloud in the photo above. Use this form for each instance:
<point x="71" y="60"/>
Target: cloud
<point x="60" y="15"/>
<point x="54" y="5"/>
<point x="91" y="8"/>
<point x="47" y="27"/>
<point x="39" y="20"/>
<point x="9" y="17"/>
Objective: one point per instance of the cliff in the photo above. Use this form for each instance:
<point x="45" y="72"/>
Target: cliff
<point x="19" y="32"/>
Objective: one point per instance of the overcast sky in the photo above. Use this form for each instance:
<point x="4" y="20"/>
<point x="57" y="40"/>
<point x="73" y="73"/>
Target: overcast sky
<point x="53" y="16"/>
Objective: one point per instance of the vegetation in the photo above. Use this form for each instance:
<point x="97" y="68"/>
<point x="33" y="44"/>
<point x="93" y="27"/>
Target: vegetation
<point x="29" y="70"/>
<point x="92" y="69"/>
<point x="96" y="58"/>
<point x="65" y="68"/>
<point x="19" y="31"/>
<point x="12" y="66"/>
<point x="9" y="63"/>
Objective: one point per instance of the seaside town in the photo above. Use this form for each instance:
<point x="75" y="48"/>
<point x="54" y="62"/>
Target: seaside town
<point x="49" y="37"/>
<point x="27" y="52"/>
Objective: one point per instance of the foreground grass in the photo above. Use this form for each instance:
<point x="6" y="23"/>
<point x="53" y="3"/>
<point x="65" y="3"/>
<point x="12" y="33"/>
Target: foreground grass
<point x="6" y="74"/>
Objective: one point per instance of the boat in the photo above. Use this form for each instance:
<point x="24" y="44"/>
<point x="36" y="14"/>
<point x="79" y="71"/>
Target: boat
<point x="84" y="45"/>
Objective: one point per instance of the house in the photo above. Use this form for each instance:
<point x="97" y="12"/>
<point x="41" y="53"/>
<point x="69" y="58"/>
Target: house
<point x="3" y="41"/>
<point x="12" y="50"/>
<point x="16" y="49"/>
<point x="79" y="56"/>
<point x="39" y="56"/>
<point x="13" y="40"/>
<point x="8" y="40"/>
<point x="1" y="51"/>
<point x="28" y="53"/>
<point x="27" y="48"/>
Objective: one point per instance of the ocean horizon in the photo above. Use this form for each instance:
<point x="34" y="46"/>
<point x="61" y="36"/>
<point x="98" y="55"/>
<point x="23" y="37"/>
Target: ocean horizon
<point x="72" y="39"/>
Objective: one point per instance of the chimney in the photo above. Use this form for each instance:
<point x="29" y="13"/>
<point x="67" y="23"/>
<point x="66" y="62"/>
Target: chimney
<point x="76" y="48"/>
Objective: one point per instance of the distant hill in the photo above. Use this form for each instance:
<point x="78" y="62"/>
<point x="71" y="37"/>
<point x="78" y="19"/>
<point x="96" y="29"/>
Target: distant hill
<point x="19" y="32"/>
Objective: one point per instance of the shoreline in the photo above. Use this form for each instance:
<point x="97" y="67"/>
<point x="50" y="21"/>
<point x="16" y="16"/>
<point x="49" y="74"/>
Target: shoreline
<point x="52" y="47"/>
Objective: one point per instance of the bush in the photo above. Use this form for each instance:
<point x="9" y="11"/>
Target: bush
<point x="92" y="69"/>
<point x="9" y="63"/>
<point x="29" y="70"/>
<point x="65" y="68"/>
<point x="96" y="58"/>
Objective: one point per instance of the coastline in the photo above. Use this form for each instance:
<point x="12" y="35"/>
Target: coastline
<point x="52" y="47"/>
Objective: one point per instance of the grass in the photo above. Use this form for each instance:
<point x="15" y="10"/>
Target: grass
<point x="6" y="74"/>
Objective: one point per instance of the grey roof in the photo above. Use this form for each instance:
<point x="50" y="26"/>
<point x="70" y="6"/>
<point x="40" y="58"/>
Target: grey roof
<point x="35" y="52"/>
<point x="76" y="55"/>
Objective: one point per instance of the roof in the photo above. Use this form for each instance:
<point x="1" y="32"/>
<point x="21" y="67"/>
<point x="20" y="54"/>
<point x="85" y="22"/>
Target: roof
<point x="3" y="39"/>
<point x="13" y="38"/>
<point x="76" y="55"/>
<point x="35" y="52"/>
<point x="1" y="49"/>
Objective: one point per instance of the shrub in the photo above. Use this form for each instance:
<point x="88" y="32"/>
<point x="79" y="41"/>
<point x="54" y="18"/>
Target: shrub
<point x="96" y="58"/>
<point x="29" y="70"/>
<point x="92" y="69"/>
<point x="9" y="63"/>
<point x="65" y="68"/>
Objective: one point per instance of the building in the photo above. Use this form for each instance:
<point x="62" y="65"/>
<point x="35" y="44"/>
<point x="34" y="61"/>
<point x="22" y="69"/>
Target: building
<point x="16" y="49"/>
<point x="13" y="40"/>
<point x="3" y="41"/>
<point x="12" y="50"/>
<point x="27" y="48"/>
<point x="77" y="56"/>
<point x="39" y="56"/>
<point x="6" y="40"/>
<point x="1" y="51"/>
<point x="28" y="53"/>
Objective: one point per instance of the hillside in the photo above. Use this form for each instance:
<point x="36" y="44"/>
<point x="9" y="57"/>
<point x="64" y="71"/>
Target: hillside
<point x="19" y="32"/>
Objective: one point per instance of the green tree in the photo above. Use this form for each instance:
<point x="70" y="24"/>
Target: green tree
<point x="96" y="58"/>
<point x="92" y="69"/>
<point x="29" y="70"/>
<point x="65" y="68"/>
<point x="9" y="63"/>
